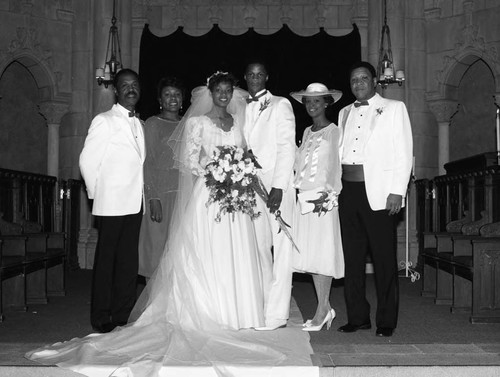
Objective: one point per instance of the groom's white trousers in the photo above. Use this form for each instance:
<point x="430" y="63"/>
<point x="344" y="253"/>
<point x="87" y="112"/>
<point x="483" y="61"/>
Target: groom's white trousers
<point x="277" y="292"/>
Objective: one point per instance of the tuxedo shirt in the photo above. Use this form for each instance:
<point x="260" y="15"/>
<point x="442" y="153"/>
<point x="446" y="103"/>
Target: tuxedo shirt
<point x="356" y="132"/>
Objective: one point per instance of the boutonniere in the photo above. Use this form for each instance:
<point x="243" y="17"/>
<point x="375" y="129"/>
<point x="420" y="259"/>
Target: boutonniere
<point x="264" y="105"/>
<point x="380" y="110"/>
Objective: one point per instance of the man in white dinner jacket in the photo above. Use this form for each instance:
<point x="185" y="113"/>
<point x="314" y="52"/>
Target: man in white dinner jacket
<point x="376" y="154"/>
<point x="270" y="134"/>
<point x="111" y="164"/>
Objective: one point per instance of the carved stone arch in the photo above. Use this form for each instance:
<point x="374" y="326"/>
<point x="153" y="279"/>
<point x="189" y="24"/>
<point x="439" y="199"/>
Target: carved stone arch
<point x="45" y="79"/>
<point x="455" y="67"/>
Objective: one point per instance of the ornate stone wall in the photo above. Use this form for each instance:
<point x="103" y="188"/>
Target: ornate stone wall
<point x="235" y="16"/>
<point x="462" y="45"/>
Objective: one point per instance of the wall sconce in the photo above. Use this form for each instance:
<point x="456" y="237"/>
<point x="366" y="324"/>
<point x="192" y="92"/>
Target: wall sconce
<point x="386" y="71"/>
<point x="106" y="74"/>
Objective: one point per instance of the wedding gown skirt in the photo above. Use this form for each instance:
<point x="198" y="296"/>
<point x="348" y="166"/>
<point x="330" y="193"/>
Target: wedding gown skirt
<point x="208" y="284"/>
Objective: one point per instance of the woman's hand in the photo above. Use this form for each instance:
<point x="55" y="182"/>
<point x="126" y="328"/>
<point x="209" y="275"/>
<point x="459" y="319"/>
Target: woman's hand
<point x="155" y="209"/>
<point x="274" y="200"/>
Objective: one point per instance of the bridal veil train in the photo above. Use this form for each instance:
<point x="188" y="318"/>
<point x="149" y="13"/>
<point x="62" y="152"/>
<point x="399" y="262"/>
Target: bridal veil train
<point x="206" y="292"/>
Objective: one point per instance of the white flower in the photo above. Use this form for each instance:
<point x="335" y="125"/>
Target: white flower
<point x="219" y="174"/>
<point x="234" y="193"/>
<point x="237" y="176"/>
<point x="225" y="165"/>
<point x="249" y="168"/>
<point x="238" y="155"/>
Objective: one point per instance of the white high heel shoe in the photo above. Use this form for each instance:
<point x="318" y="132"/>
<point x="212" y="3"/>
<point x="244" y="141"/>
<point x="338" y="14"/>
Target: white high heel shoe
<point x="328" y="320"/>
<point x="307" y="323"/>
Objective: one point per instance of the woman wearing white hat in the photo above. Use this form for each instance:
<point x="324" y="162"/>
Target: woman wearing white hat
<point x="317" y="177"/>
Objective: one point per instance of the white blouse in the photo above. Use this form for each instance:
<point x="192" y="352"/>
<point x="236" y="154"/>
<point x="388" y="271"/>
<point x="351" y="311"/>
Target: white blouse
<point x="317" y="161"/>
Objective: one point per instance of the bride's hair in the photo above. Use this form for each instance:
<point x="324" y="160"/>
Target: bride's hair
<point x="220" y="77"/>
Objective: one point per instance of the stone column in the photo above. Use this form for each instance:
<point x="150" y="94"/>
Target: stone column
<point x="53" y="113"/>
<point x="443" y="110"/>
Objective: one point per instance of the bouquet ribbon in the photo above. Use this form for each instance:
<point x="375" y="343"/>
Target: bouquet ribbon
<point x="283" y="226"/>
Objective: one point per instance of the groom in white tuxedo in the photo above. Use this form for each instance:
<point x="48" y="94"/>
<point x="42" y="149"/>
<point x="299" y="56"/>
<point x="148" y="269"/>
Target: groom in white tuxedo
<point x="270" y="134"/>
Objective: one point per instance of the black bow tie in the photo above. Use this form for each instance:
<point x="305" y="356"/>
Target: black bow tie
<point x="133" y="114"/>
<point x="251" y="99"/>
<point x="361" y="103"/>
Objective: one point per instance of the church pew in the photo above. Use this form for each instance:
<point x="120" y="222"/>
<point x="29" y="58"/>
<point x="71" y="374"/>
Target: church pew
<point x="429" y="262"/>
<point x="36" y="268"/>
<point x="32" y="269"/>
<point x="444" y="269"/>
<point x="486" y="280"/>
<point x="56" y="264"/>
<point x="437" y="273"/>
<point x="476" y="277"/>
<point x="12" y="277"/>
<point x="48" y="277"/>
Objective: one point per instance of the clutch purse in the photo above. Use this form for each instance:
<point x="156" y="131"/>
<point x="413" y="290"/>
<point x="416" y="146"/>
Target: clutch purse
<point x="304" y="198"/>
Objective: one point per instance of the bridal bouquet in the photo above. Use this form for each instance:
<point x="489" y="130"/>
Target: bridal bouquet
<point x="232" y="181"/>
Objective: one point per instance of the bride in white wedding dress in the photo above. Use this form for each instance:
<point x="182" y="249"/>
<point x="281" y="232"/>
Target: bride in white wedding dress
<point x="209" y="283"/>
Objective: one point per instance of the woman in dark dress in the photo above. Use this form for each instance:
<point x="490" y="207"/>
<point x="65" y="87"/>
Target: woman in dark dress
<point x="160" y="176"/>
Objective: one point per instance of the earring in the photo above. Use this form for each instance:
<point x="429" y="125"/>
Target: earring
<point x="161" y="107"/>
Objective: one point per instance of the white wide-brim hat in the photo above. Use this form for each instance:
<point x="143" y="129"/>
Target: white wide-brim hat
<point x="317" y="89"/>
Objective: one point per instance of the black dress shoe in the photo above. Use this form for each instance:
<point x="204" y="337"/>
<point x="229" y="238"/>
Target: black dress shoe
<point x="353" y="328"/>
<point x="384" y="331"/>
<point x="104" y="328"/>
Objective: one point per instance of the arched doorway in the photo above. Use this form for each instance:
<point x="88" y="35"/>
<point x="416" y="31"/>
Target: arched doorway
<point x="472" y="129"/>
<point x="23" y="131"/>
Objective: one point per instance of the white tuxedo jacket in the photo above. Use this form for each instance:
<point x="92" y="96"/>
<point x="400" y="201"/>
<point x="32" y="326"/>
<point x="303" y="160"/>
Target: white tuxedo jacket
<point x="270" y="134"/>
<point x="111" y="163"/>
<point x="388" y="149"/>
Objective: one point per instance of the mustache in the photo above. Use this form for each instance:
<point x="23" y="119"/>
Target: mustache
<point x="132" y="91"/>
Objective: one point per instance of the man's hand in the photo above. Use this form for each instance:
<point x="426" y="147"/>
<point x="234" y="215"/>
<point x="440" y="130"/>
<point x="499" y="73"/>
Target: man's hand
<point x="274" y="201"/>
<point x="156" y="212"/>
<point x="394" y="203"/>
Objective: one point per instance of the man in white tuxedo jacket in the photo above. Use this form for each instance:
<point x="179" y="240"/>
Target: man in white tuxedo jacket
<point x="111" y="164"/>
<point x="376" y="154"/>
<point x="270" y="134"/>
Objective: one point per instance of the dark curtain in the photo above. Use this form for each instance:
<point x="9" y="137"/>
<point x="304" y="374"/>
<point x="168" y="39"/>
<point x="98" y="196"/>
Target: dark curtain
<point x="293" y="62"/>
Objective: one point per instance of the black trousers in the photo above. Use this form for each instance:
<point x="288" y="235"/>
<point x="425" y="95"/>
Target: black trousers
<point x="363" y="231"/>
<point x="115" y="270"/>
